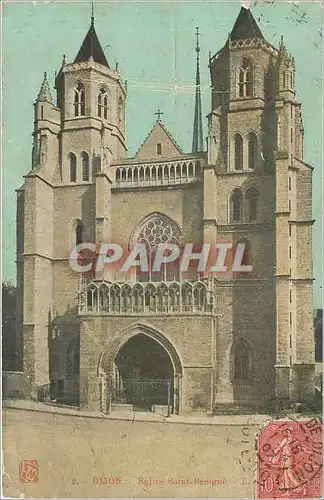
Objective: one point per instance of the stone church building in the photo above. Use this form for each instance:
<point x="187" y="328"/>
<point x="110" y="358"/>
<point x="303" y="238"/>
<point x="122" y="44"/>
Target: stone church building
<point x="169" y="341"/>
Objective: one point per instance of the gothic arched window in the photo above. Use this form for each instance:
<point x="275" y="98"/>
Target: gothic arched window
<point x="72" y="164"/>
<point x="103" y="103"/>
<point x="73" y="357"/>
<point x="156" y="230"/>
<point x="79" y="233"/>
<point x="252" y="149"/>
<point x="252" y="197"/>
<point x="245" y="84"/>
<point x="238" y="152"/>
<point x="85" y="166"/>
<point x="79" y="100"/>
<point x="241" y="361"/>
<point x="236" y="206"/>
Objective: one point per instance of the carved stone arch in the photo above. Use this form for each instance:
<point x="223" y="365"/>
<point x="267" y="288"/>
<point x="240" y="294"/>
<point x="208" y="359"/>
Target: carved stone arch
<point x="236" y="151"/>
<point x="134" y="235"/>
<point x="245" y="77"/>
<point x="85" y="166"/>
<point x="79" y="98"/>
<point x="252" y="203"/>
<point x="252" y="148"/>
<point x="103" y="101"/>
<point x="76" y="230"/>
<point x="235" y="213"/>
<point x="112" y="348"/>
<point x="250" y="358"/>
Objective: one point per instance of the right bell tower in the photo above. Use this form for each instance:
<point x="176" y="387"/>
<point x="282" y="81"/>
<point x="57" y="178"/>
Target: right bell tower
<point x="258" y="183"/>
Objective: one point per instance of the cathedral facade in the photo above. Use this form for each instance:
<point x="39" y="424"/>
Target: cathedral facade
<point x="169" y="341"/>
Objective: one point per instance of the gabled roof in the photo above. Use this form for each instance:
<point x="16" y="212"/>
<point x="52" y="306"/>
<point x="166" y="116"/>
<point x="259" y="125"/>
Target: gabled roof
<point x="158" y="134"/>
<point x="245" y="26"/>
<point x="91" y="48"/>
<point x="44" y="93"/>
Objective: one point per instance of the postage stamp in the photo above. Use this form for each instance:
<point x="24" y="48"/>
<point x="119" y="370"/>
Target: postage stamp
<point x="290" y="459"/>
<point x="162" y="280"/>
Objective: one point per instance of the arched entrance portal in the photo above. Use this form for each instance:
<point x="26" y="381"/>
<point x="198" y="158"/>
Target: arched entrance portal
<point x="143" y="374"/>
<point x="140" y="367"/>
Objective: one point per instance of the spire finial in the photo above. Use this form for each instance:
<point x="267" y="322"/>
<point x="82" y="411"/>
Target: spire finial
<point x="44" y="93"/>
<point x="92" y="14"/>
<point x="197" y="139"/>
<point x="197" y="40"/>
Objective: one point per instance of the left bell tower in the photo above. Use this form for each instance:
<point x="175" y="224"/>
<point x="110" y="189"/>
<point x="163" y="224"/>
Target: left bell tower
<point x="91" y="98"/>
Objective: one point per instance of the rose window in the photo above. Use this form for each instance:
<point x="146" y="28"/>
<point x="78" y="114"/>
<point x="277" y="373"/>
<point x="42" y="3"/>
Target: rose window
<point x="157" y="231"/>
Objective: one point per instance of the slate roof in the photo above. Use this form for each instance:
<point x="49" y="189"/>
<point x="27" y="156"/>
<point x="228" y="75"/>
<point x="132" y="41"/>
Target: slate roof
<point x="44" y="93"/>
<point x="245" y="26"/>
<point x="91" y="47"/>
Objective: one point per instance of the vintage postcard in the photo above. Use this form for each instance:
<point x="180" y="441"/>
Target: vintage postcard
<point x="162" y="249"/>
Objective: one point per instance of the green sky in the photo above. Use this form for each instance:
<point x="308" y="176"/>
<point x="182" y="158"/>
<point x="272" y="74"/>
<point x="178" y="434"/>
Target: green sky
<point x="153" y="42"/>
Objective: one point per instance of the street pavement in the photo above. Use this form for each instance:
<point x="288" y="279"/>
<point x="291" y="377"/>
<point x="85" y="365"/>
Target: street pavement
<point x="81" y="457"/>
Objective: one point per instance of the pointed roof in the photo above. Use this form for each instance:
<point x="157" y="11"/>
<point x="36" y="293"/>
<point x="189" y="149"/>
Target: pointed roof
<point x="44" y="93"/>
<point x="197" y="137"/>
<point x="245" y="26"/>
<point x="91" y="48"/>
<point x="158" y="135"/>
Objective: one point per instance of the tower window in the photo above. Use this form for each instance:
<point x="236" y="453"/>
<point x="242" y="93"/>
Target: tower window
<point x="241" y="359"/>
<point x="85" y="166"/>
<point x="159" y="148"/>
<point x="289" y="183"/>
<point x="79" y="233"/>
<point x="79" y="100"/>
<point x="245" y="79"/>
<point x="72" y="162"/>
<point x="236" y="206"/>
<point x="238" y="146"/>
<point x="103" y="103"/>
<point x="253" y="149"/>
<point x="252" y="203"/>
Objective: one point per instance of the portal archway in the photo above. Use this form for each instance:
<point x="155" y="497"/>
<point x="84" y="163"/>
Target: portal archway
<point x="140" y="367"/>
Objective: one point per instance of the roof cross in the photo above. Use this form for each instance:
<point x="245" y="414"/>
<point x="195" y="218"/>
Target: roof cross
<point x="159" y="113"/>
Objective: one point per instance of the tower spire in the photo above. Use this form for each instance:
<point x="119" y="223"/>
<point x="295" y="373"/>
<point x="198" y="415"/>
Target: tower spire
<point x="92" y="14"/>
<point x="44" y="93"/>
<point x="197" y="139"/>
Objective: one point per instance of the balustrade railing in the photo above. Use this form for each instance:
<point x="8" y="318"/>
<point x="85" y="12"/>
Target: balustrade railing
<point x="181" y="172"/>
<point x="187" y="297"/>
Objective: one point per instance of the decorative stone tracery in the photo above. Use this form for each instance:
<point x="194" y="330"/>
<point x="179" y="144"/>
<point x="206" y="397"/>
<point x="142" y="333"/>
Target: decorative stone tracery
<point x="103" y="297"/>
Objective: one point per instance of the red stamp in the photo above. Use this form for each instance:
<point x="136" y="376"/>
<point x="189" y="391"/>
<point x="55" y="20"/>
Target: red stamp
<point x="290" y="459"/>
<point x="28" y="471"/>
